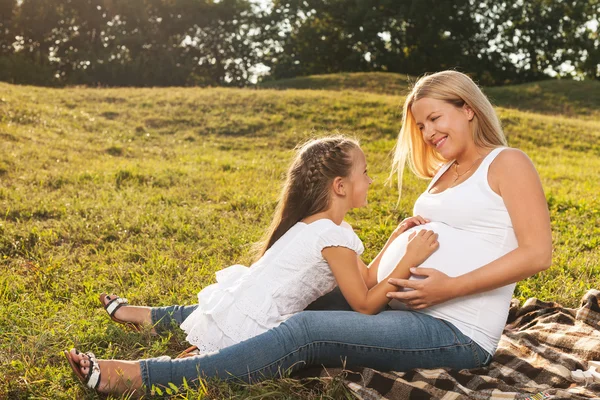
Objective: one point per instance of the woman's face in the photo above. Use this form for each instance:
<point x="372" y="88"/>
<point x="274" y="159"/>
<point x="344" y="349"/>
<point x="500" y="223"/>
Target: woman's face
<point x="444" y="126"/>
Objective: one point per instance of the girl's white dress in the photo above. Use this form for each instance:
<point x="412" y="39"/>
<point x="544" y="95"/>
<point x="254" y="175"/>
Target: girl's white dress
<point x="246" y="302"/>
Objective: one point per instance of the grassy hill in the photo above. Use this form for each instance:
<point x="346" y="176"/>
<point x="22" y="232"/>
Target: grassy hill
<point x="372" y="82"/>
<point x="147" y="192"/>
<point x="553" y="97"/>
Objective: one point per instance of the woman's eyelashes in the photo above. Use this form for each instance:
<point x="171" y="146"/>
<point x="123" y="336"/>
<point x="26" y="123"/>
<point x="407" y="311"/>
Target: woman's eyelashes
<point x="432" y="119"/>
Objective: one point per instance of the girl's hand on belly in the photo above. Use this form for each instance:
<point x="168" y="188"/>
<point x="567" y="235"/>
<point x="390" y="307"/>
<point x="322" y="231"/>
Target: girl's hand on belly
<point x="436" y="288"/>
<point x="408" y="223"/>
<point x="420" y="246"/>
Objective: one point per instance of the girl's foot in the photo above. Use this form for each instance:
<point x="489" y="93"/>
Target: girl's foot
<point x="137" y="317"/>
<point x="116" y="376"/>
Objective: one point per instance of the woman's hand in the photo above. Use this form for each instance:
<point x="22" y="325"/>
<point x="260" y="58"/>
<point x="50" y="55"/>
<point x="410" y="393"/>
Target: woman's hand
<point x="408" y="223"/>
<point x="435" y="289"/>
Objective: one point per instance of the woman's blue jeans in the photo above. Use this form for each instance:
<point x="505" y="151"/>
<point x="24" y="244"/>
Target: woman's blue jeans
<point x="391" y="340"/>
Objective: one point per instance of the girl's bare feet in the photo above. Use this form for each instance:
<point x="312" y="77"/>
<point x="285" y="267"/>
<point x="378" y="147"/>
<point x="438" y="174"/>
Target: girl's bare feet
<point x="116" y="376"/>
<point x="136" y="315"/>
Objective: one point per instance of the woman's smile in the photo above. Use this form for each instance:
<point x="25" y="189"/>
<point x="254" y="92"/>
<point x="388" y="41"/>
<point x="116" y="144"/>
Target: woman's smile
<point x="439" y="142"/>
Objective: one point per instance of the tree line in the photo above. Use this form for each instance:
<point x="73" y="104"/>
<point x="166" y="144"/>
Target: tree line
<point x="231" y="42"/>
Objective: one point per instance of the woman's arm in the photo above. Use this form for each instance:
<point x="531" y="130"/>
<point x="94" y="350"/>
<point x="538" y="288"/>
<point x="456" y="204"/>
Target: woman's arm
<point x="369" y="273"/>
<point x="347" y="272"/>
<point x="513" y="177"/>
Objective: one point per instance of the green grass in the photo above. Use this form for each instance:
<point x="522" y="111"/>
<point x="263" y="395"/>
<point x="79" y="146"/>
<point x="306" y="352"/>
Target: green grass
<point x="147" y="192"/>
<point x="557" y="97"/>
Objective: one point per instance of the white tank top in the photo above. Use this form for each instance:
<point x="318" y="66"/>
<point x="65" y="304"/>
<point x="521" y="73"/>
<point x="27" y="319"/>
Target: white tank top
<point x="474" y="229"/>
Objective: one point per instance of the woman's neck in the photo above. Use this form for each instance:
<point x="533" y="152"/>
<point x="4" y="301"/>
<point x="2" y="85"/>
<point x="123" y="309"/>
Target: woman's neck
<point x="471" y="156"/>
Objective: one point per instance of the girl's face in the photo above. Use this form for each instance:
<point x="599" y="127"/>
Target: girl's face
<point x="444" y="126"/>
<point x="359" y="180"/>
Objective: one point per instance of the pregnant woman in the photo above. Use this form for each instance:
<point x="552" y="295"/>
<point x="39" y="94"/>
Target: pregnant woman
<point x="487" y="205"/>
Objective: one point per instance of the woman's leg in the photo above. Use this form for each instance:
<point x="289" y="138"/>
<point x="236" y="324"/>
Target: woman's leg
<point x="391" y="340"/>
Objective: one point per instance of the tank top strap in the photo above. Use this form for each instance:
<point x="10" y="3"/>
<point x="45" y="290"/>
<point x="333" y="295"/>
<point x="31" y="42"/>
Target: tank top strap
<point x="437" y="175"/>
<point x="481" y="174"/>
<point x="487" y="161"/>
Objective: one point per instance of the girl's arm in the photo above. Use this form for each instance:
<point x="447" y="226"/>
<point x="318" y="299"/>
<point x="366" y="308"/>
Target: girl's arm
<point x="369" y="273"/>
<point x="513" y="176"/>
<point x="346" y="270"/>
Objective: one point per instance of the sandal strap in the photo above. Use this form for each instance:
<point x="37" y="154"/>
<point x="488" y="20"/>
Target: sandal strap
<point x="115" y="304"/>
<point x="92" y="379"/>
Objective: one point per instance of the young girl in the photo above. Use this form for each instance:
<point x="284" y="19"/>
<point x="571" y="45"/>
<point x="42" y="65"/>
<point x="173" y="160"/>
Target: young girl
<point x="307" y="249"/>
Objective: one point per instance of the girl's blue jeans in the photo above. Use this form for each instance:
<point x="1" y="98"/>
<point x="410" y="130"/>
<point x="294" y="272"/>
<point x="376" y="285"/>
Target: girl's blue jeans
<point x="333" y="336"/>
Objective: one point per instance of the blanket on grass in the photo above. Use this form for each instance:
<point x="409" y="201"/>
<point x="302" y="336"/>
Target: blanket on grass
<point x="540" y="346"/>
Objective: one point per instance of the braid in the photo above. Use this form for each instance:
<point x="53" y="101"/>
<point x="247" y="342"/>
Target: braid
<point x="312" y="163"/>
<point x="307" y="188"/>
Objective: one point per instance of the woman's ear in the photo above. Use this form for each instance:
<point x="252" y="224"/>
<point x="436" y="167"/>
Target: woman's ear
<point x="468" y="112"/>
<point x="338" y="186"/>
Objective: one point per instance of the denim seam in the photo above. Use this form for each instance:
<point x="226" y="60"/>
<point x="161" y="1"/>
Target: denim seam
<point x="356" y="345"/>
<point x="145" y="373"/>
<point x="153" y="316"/>
<point x="475" y="355"/>
<point x="390" y="348"/>
<point x="456" y="339"/>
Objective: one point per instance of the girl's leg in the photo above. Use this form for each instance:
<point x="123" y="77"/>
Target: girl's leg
<point x="139" y="315"/>
<point x="162" y="318"/>
<point x="333" y="300"/>
<point x="168" y="318"/>
<point x="391" y="340"/>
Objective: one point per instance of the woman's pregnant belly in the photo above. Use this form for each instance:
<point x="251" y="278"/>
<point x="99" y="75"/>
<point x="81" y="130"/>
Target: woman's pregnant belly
<point x="459" y="253"/>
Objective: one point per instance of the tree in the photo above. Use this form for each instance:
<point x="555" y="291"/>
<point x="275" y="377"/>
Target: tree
<point x="541" y="37"/>
<point x="7" y="8"/>
<point x="325" y="36"/>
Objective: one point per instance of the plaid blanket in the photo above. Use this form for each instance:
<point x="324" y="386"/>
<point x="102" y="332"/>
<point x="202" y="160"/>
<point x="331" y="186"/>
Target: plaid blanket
<point x="541" y="344"/>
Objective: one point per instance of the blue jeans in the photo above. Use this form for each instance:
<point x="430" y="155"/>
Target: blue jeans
<point x="391" y="340"/>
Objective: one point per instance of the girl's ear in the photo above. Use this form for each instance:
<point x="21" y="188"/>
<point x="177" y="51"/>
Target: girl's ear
<point x="338" y="186"/>
<point x="468" y="112"/>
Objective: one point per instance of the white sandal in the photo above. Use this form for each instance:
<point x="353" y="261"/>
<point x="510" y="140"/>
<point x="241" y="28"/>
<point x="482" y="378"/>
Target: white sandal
<point x="92" y="379"/>
<point x="113" y="305"/>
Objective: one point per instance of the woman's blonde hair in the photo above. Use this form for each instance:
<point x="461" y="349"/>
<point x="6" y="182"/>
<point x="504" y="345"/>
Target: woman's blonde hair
<point x="457" y="89"/>
<point x="307" y="187"/>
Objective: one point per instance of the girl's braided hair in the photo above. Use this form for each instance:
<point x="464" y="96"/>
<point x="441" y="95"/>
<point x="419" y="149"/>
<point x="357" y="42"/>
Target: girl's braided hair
<point x="307" y="188"/>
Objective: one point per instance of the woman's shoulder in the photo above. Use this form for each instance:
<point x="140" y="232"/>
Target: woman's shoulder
<point x="510" y="158"/>
<point x="510" y="165"/>
<point x="511" y="153"/>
